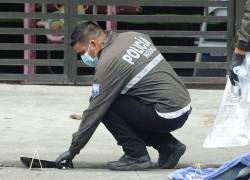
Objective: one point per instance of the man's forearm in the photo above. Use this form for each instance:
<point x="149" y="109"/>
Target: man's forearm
<point x="82" y="136"/>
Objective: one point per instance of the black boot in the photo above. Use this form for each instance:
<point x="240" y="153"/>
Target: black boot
<point x="170" y="155"/>
<point x="128" y="163"/>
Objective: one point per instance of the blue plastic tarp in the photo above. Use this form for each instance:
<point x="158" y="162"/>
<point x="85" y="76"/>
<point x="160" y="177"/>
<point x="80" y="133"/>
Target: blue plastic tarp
<point x="229" y="169"/>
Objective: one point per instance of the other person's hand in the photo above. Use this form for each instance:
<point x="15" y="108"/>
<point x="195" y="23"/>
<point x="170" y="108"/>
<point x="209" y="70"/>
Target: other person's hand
<point x="237" y="60"/>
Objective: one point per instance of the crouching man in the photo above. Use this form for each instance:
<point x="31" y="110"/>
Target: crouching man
<point x="135" y="94"/>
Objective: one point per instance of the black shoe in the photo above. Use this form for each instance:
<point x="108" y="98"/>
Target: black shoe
<point x="169" y="159"/>
<point x="120" y="159"/>
<point x="128" y="163"/>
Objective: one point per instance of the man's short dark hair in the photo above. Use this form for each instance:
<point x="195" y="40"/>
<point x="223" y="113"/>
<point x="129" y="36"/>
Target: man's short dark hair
<point x="84" y="32"/>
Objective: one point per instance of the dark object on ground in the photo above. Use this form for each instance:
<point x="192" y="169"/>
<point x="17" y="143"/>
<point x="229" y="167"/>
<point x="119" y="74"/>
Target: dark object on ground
<point x="26" y="161"/>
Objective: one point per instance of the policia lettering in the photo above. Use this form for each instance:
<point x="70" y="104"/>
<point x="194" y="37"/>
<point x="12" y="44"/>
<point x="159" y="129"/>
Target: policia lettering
<point x="137" y="49"/>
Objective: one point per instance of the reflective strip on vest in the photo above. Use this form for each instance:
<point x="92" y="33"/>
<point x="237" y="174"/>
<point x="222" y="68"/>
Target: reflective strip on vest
<point x="143" y="73"/>
<point x="175" y="114"/>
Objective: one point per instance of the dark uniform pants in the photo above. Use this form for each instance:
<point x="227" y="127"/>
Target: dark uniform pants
<point x="136" y="125"/>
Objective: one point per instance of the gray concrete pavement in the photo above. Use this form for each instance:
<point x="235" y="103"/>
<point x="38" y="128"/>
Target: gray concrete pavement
<point x="37" y="117"/>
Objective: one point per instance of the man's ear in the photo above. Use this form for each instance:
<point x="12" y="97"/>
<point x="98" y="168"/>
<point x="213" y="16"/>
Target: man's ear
<point x="93" y="43"/>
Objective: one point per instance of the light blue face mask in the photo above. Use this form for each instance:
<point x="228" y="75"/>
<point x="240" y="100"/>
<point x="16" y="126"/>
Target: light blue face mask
<point x="88" y="60"/>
